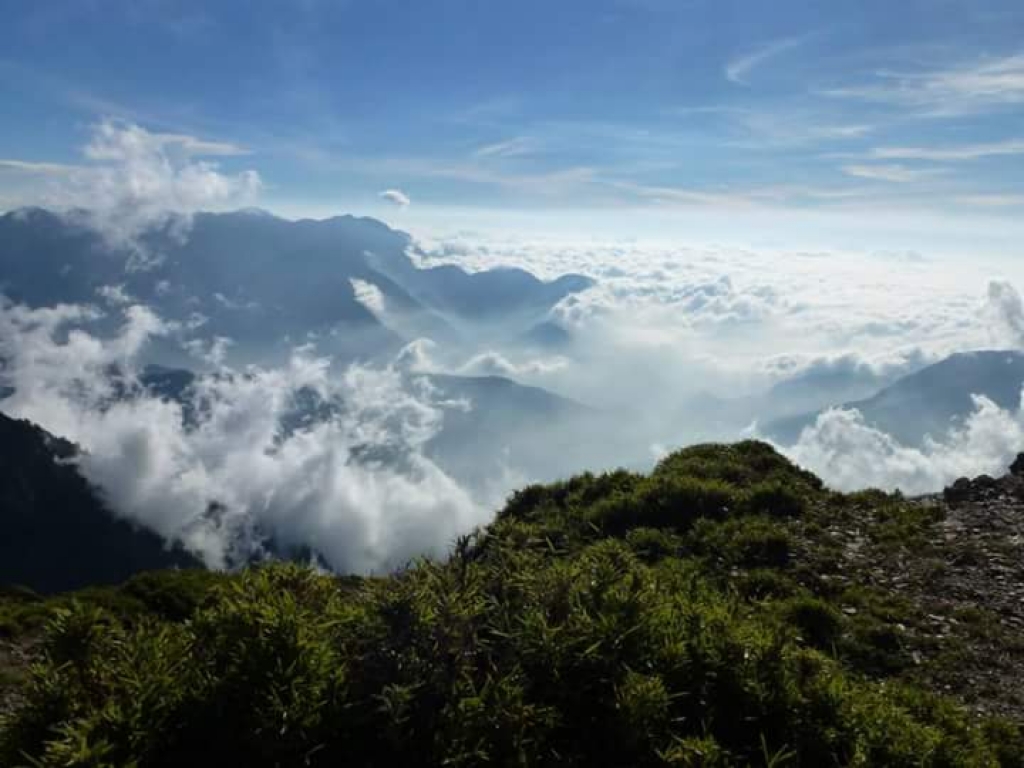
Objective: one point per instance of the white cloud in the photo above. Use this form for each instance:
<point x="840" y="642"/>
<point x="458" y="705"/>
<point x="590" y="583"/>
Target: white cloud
<point x="1007" y="313"/>
<point x="516" y="147"/>
<point x="955" y="153"/>
<point x="853" y="365"/>
<point x="396" y="196"/>
<point x="667" y="321"/>
<point x="134" y="181"/>
<point x="740" y="68"/>
<point x="121" y="142"/>
<point x="213" y="351"/>
<point x="417" y="357"/>
<point x="848" y="454"/>
<point x="369" y="295"/>
<point x="114" y="295"/>
<point x="971" y="87"/>
<point x="899" y="174"/>
<point x="46" y="169"/>
<point x="491" y="363"/>
<point x="772" y="128"/>
<point x="356" y="486"/>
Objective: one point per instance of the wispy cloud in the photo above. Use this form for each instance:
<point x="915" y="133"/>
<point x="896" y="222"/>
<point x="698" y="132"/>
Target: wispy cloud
<point x="542" y="182"/>
<point x="955" y="153"/>
<point x="44" y="169"/>
<point x="995" y="200"/>
<point x="972" y="87"/>
<point x="738" y="69"/>
<point x="740" y="197"/>
<point x="896" y="173"/>
<point x="114" y="140"/>
<point x="515" y="147"/>
<point x="773" y="128"/>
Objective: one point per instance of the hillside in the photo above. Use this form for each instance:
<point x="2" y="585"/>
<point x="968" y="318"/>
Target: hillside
<point x="725" y="609"/>
<point x="57" y="532"/>
<point x="929" y="401"/>
<point x="263" y="281"/>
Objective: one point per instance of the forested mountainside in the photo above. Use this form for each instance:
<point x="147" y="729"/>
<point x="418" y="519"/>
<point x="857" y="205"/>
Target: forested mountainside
<point x="725" y="609"/>
<point x="57" y="532"/>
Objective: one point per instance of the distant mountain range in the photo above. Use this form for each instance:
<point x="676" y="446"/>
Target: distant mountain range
<point x="509" y="426"/>
<point x="57" y="533"/>
<point x="929" y="401"/>
<point x="712" y="416"/>
<point x="268" y="283"/>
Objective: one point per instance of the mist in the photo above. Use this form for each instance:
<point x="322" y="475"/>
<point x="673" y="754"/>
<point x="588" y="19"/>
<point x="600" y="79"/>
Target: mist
<point x="382" y="397"/>
<point x="355" y="486"/>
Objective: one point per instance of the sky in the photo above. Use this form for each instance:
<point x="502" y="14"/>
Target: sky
<point x="664" y="116"/>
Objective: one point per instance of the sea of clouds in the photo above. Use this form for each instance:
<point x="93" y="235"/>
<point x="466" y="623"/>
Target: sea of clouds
<point x="666" y="321"/>
<point x="665" y="325"/>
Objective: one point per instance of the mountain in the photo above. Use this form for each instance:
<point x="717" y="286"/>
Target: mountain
<point x="55" y="531"/>
<point x="508" y="425"/>
<point x="713" y="416"/>
<point x="724" y="609"/>
<point x="929" y="401"/>
<point x="268" y="283"/>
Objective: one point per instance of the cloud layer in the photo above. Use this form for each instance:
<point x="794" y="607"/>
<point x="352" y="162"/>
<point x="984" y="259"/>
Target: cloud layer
<point x="668" y="335"/>
<point x="849" y="454"/>
<point x="220" y="473"/>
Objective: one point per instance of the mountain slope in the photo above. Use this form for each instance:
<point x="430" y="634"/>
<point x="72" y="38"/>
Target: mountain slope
<point x="722" y="610"/>
<point x="55" y="532"/>
<point x="931" y="400"/>
<point x="268" y="283"/>
<point x="507" y="425"/>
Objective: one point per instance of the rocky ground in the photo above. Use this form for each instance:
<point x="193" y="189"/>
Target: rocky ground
<point x="944" y="574"/>
<point x="15" y="658"/>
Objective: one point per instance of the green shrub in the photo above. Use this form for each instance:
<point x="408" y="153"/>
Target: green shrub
<point x="652" y="544"/>
<point x="774" y="499"/>
<point x="609" y="620"/>
<point x="172" y="595"/>
<point x="744" y="542"/>
<point x="759" y="584"/>
<point x="818" y="623"/>
<point x="663" y="502"/>
<point x="743" y="464"/>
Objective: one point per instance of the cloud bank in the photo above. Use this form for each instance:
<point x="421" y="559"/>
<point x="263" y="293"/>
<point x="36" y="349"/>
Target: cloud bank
<point x="687" y="333"/>
<point x="134" y="181"/>
<point x="1007" y="312"/>
<point x="240" y="461"/>
<point x="849" y="454"/>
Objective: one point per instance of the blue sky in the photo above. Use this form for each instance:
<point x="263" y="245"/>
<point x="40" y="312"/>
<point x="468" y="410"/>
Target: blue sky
<point x="555" y="105"/>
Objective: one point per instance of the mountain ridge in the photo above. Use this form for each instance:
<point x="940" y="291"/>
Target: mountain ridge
<point x="263" y="280"/>
<point x="724" y="609"/>
<point x="930" y="400"/>
<point x="58" y="533"/>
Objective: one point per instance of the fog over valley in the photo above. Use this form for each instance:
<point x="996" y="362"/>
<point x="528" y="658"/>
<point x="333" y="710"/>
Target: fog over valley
<point x="245" y="384"/>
